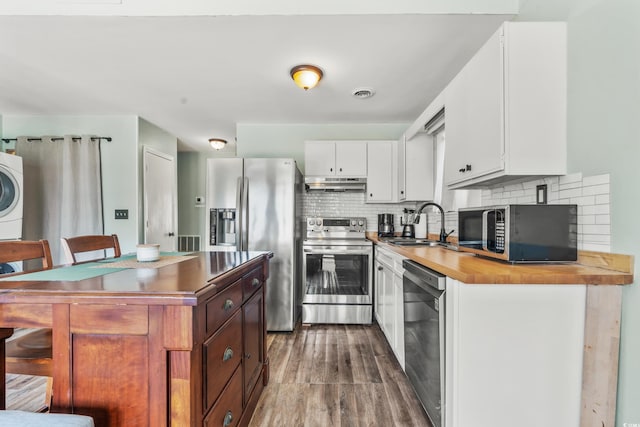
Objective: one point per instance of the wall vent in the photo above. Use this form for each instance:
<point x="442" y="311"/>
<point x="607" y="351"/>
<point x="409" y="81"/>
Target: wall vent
<point x="188" y="243"/>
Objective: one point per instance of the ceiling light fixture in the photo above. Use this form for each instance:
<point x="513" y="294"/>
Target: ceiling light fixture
<point x="306" y="76"/>
<point x="217" y="143"/>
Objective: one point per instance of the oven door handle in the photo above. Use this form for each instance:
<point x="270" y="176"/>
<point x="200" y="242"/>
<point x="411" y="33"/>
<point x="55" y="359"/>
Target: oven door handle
<point x="337" y="252"/>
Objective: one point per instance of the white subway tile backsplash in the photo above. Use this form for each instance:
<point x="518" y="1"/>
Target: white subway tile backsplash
<point x="591" y="194"/>
<point x="595" y="180"/>
<point x="568" y="194"/>
<point x="574" y="177"/>
<point x="595" y="189"/>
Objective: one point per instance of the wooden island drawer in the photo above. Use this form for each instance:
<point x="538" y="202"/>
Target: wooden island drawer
<point x="228" y="410"/>
<point x="251" y="282"/>
<point x="222" y="354"/>
<point x="223" y="305"/>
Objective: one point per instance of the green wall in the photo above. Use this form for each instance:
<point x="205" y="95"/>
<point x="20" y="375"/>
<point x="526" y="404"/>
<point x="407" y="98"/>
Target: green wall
<point x="604" y="137"/>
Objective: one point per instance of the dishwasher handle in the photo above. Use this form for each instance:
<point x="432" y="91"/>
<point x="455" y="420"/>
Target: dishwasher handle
<point x="423" y="276"/>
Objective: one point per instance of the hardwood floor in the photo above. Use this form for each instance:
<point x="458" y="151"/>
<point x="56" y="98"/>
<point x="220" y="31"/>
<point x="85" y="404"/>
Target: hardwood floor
<point x="321" y="375"/>
<point x="335" y="375"/>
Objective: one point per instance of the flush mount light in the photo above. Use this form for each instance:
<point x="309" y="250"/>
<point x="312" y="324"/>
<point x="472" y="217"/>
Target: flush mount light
<point x="217" y="143"/>
<point x="306" y="76"/>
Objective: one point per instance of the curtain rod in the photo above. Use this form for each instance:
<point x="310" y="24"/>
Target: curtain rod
<point x="75" y="138"/>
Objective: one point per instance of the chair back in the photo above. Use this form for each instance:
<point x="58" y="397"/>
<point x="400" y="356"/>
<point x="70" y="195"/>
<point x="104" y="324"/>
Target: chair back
<point x="80" y="244"/>
<point x="23" y="250"/>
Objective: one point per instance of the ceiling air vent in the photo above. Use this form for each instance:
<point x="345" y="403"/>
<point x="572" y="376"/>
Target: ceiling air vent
<point x="363" y="92"/>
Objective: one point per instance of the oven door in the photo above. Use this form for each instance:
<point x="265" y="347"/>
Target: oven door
<point x="337" y="274"/>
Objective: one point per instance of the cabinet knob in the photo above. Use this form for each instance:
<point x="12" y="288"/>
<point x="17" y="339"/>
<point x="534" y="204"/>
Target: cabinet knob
<point x="228" y="305"/>
<point x="370" y="194"/>
<point x="466" y="168"/>
<point x="248" y="355"/>
<point x="228" y="354"/>
<point x="228" y="419"/>
<point x="380" y="268"/>
<point x="340" y="169"/>
<point x="171" y="234"/>
<point x="402" y="192"/>
<point x="255" y="282"/>
<point x="330" y="169"/>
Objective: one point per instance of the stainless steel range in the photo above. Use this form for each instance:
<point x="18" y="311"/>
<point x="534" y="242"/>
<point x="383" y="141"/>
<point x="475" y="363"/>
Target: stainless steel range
<point x="336" y="266"/>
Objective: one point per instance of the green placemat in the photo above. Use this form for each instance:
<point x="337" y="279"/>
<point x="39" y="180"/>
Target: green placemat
<point x="72" y="273"/>
<point x="80" y="271"/>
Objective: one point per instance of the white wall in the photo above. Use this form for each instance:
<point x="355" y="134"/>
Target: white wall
<point x="119" y="161"/>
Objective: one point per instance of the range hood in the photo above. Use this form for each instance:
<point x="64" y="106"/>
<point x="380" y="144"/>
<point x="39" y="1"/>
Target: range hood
<point x="335" y="184"/>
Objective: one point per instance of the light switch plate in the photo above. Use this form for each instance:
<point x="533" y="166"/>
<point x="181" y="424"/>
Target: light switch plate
<point x="122" y="213"/>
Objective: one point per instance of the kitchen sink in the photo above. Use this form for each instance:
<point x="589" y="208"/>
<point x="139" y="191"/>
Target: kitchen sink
<point x="412" y="242"/>
<point x="406" y="241"/>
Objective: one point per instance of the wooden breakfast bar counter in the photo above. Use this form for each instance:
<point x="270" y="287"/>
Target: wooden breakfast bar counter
<point x="179" y="345"/>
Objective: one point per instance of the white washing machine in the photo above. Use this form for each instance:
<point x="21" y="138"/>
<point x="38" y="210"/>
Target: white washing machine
<point x="11" y="196"/>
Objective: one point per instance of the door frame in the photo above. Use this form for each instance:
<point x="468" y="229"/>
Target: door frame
<point x="146" y="151"/>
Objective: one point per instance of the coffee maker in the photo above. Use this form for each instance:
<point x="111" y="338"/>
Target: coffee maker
<point x="385" y="225"/>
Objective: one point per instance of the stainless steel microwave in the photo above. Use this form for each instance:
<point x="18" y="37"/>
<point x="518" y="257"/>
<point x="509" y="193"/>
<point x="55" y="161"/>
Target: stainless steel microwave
<point x="520" y="233"/>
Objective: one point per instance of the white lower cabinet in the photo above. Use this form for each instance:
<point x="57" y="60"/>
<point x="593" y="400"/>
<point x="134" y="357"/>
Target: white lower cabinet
<point x="513" y="355"/>
<point x="389" y="305"/>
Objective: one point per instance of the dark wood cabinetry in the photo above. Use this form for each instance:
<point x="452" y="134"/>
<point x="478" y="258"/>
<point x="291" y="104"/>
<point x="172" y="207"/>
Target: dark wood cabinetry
<point x="184" y="349"/>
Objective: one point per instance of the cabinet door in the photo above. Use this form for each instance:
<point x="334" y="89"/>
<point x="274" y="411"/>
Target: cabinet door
<point x="252" y="322"/>
<point x="388" y="306"/>
<point x="475" y="117"/>
<point x="402" y="194"/>
<point x="351" y="158"/>
<point x="398" y="297"/>
<point x="378" y="284"/>
<point x="380" y="167"/>
<point x="419" y="168"/>
<point x="319" y="158"/>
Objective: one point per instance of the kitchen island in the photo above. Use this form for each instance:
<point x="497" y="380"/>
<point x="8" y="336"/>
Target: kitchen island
<point x="183" y="344"/>
<point x="528" y="344"/>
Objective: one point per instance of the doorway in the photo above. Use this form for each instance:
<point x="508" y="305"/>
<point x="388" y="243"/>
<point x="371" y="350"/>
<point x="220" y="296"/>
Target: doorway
<point x="160" y="199"/>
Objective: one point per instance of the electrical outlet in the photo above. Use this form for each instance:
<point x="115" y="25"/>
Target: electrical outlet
<point x="631" y="425"/>
<point x="122" y="213"/>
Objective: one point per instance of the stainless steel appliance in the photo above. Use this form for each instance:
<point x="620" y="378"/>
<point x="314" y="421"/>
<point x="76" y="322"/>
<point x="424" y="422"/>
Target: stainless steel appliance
<point x="385" y="225"/>
<point x="337" y="266"/>
<point x="520" y="233"/>
<point x="254" y="204"/>
<point x="408" y="220"/>
<point x="424" y="336"/>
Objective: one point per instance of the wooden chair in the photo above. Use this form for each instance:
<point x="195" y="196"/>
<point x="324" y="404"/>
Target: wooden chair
<point x="29" y="353"/>
<point x="80" y="244"/>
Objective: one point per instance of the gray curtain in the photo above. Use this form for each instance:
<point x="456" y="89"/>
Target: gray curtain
<point x="62" y="189"/>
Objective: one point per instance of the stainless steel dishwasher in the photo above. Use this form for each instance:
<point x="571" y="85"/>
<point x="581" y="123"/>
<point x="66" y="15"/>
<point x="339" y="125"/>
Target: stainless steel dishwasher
<point x="424" y="334"/>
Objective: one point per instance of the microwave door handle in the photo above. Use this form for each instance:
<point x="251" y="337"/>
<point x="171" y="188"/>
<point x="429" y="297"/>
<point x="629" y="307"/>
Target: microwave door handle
<point x="485" y="230"/>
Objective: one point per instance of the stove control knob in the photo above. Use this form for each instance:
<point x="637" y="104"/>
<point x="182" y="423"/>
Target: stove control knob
<point x="353" y="222"/>
<point x="361" y="223"/>
<point x="318" y="222"/>
<point x="311" y="222"/>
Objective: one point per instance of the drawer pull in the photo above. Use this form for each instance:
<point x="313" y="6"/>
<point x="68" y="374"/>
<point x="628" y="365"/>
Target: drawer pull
<point x="255" y="282"/>
<point x="228" y="419"/>
<point x="228" y="305"/>
<point x="248" y="356"/>
<point x="228" y="354"/>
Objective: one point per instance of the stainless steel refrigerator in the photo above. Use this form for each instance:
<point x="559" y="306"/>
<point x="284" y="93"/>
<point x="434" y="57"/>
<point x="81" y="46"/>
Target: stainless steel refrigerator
<point x="255" y="205"/>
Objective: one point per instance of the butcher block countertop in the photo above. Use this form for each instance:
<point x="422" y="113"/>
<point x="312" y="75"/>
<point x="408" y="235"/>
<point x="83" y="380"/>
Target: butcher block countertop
<point x="592" y="268"/>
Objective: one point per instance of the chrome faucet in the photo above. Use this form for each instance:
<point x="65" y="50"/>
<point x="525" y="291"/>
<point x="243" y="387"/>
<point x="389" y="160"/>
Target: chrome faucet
<point x="443" y="233"/>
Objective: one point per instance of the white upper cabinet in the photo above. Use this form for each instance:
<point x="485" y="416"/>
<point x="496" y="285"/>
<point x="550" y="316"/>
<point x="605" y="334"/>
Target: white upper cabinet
<point x="415" y="162"/>
<point x="381" y="177"/>
<point x="506" y="109"/>
<point x="336" y="158"/>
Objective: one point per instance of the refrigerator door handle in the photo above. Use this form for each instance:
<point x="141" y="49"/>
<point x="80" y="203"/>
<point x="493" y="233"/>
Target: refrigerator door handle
<point x="239" y="224"/>
<point x="245" y="215"/>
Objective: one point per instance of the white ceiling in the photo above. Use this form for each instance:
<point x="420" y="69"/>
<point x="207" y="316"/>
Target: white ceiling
<point x="198" y="77"/>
